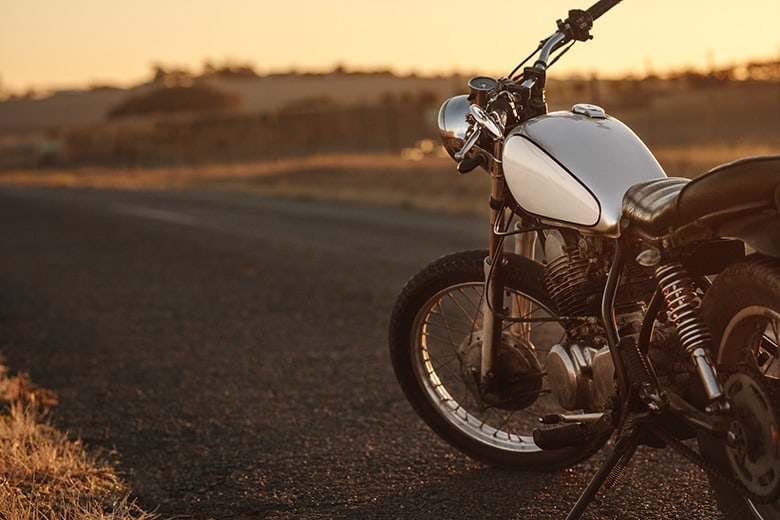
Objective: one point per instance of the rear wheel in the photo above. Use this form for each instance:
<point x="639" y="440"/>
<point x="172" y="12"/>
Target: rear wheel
<point x="435" y="342"/>
<point x="742" y="310"/>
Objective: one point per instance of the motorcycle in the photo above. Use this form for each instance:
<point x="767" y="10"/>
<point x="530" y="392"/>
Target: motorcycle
<point x="636" y="309"/>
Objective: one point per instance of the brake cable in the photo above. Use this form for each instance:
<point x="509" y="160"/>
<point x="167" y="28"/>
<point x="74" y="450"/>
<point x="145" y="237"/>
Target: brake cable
<point x="564" y="51"/>
<point x="514" y="71"/>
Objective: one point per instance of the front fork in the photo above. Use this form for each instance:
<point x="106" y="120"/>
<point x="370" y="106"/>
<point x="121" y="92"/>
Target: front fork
<point x="493" y="302"/>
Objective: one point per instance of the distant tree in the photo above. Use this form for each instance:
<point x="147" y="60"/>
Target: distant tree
<point x="171" y="77"/>
<point x="318" y="103"/>
<point x="159" y="73"/>
<point x="763" y="70"/>
<point x="198" y="97"/>
<point x="102" y="87"/>
<point x="209" y="69"/>
<point x="229" y="70"/>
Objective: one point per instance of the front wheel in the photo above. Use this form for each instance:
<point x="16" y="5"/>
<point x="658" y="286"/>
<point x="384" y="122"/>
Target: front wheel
<point x="435" y="342"/>
<point x="742" y="311"/>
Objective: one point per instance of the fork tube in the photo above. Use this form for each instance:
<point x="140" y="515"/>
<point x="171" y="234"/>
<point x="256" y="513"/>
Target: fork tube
<point x="525" y="245"/>
<point x="497" y="199"/>
<point x="494" y="287"/>
<point x="491" y="325"/>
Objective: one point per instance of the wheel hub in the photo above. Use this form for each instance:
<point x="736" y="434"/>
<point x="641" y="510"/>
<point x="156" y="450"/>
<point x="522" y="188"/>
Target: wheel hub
<point x="517" y="378"/>
<point x="753" y="439"/>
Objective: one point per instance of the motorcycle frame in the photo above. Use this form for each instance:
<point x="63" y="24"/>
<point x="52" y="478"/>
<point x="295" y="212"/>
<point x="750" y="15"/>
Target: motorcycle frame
<point x="493" y="312"/>
<point x="494" y="287"/>
<point x="639" y="399"/>
<point x="631" y="399"/>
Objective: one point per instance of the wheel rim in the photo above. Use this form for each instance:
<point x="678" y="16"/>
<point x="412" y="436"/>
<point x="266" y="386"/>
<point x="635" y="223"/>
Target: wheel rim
<point x="757" y="328"/>
<point x="443" y="323"/>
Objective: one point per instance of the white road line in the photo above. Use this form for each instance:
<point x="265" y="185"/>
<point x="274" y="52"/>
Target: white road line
<point x="156" y="214"/>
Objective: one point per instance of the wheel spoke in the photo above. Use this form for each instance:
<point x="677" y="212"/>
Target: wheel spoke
<point x="466" y="324"/>
<point x="769" y="341"/>
<point x="453" y="319"/>
<point x="446" y="340"/>
<point x="767" y="353"/>
<point x="446" y="365"/>
<point x="446" y="323"/>
<point x="468" y="315"/>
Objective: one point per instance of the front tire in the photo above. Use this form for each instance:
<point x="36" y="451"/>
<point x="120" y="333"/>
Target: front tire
<point x="742" y="311"/>
<point x="437" y="315"/>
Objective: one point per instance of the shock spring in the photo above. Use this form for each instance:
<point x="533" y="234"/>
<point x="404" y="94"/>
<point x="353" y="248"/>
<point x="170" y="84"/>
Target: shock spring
<point x="682" y="306"/>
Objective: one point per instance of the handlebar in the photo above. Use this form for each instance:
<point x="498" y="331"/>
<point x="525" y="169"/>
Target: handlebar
<point x="599" y="8"/>
<point x="576" y="27"/>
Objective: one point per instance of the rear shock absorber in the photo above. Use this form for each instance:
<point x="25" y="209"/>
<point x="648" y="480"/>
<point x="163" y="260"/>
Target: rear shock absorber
<point x="682" y="305"/>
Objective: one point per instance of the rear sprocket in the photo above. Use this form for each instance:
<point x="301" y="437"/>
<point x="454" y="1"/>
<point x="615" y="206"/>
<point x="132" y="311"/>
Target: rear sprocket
<point x="753" y="439"/>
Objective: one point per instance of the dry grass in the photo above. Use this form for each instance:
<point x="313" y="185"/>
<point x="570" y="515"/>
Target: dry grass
<point x="387" y="180"/>
<point x="44" y="474"/>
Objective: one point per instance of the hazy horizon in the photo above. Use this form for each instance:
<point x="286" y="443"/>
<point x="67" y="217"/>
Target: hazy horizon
<point x="49" y="45"/>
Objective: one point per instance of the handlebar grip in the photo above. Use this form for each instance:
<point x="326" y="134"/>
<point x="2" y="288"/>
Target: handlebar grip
<point x="601" y="7"/>
<point x="469" y="163"/>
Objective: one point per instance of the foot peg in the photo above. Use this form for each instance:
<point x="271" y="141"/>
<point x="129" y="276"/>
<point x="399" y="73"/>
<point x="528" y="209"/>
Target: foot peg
<point x="565" y="436"/>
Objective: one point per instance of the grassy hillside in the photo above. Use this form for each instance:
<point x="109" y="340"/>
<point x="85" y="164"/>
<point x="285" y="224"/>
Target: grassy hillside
<point x="204" y="128"/>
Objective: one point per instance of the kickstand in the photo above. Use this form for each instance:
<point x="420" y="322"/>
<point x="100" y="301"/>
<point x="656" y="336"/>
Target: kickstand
<point x="610" y="469"/>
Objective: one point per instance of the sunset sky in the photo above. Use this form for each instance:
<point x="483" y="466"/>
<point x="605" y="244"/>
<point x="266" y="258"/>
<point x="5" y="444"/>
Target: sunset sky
<point x="58" y="44"/>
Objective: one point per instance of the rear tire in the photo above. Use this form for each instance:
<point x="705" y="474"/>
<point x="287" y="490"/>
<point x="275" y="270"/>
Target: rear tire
<point x="436" y="315"/>
<point x="742" y="311"/>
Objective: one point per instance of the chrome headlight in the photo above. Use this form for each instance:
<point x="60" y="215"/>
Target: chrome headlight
<point x="453" y="126"/>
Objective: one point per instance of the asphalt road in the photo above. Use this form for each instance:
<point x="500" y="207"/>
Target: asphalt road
<point x="231" y="350"/>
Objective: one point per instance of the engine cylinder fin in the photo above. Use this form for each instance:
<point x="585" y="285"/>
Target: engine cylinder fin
<point x="570" y="286"/>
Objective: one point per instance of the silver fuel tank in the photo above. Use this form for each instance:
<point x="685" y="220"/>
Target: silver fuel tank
<point x="573" y="167"/>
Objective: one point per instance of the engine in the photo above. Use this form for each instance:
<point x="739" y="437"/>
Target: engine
<point x="580" y="369"/>
<point x="576" y="273"/>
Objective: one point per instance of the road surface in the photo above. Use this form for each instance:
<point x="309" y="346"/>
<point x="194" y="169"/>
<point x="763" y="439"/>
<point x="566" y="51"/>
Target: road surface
<point x="231" y="350"/>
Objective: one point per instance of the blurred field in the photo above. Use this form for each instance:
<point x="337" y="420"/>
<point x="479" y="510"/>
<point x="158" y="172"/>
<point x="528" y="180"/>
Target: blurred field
<point x="418" y="180"/>
<point x="355" y="137"/>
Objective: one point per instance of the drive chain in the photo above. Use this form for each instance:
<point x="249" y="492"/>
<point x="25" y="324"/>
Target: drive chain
<point x="694" y="457"/>
<point x="772" y="391"/>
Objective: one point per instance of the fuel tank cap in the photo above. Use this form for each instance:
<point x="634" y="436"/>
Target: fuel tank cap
<point x="592" y="111"/>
